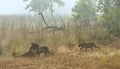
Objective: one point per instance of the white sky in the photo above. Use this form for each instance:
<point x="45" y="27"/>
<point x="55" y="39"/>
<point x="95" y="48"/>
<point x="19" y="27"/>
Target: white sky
<point x="17" y="7"/>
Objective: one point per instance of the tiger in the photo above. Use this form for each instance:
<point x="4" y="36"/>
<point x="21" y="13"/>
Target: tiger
<point x="40" y="49"/>
<point x="35" y="50"/>
<point x="43" y="49"/>
<point x="87" y="45"/>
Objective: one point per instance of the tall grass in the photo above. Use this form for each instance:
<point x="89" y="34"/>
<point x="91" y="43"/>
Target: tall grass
<point x="17" y="32"/>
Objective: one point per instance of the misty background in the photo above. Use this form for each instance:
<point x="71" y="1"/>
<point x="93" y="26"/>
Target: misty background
<point x="8" y="7"/>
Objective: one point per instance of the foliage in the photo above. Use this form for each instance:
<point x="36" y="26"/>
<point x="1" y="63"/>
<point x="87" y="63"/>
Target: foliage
<point x="104" y="6"/>
<point x="114" y="22"/>
<point x="111" y="14"/>
<point x="84" y="10"/>
<point x="117" y="3"/>
<point x="42" y="5"/>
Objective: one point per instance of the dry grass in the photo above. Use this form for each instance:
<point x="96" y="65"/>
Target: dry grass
<point x="17" y="32"/>
<point x="69" y="60"/>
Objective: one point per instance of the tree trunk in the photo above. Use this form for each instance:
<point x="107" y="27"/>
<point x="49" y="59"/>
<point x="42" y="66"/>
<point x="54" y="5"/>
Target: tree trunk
<point x="43" y="18"/>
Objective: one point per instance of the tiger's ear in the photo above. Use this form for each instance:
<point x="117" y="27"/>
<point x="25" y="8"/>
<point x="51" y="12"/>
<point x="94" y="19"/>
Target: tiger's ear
<point x="32" y="43"/>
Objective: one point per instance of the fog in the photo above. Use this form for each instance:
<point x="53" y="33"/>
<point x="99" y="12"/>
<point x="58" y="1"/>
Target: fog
<point x="18" y="7"/>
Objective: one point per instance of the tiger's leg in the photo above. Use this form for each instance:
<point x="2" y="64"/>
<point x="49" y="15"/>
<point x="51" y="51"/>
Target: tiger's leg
<point x="86" y="48"/>
<point x="45" y="53"/>
<point x="91" y="48"/>
<point x="48" y="51"/>
<point x="97" y="47"/>
<point x="81" y="48"/>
